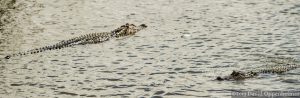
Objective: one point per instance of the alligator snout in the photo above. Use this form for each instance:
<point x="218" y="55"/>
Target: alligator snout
<point x="144" y="25"/>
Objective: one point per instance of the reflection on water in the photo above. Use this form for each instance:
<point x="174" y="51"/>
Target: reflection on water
<point x="187" y="44"/>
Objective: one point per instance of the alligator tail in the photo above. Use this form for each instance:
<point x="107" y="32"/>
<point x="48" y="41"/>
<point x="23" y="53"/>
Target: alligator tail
<point x="60" y="45"/>
<point x="63" y="44"/>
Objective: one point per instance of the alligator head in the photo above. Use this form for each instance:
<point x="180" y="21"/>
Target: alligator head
<point x="127" y="29"/>
<point x="238" y="75"/>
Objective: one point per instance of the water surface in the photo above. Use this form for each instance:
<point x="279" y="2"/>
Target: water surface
<point x="187" y="44"/>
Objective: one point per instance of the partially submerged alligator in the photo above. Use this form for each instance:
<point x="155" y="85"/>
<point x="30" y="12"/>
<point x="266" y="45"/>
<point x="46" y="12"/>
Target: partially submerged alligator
<point x="279" y="67"/>
<point x="93" y="38"/>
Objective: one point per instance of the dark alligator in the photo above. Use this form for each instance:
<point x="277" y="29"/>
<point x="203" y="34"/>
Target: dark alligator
<point x="278" y="67"/>
<point x="92" y="38"/>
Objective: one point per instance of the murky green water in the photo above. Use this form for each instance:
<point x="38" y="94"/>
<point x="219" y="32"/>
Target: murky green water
<point x="187" y="44"/>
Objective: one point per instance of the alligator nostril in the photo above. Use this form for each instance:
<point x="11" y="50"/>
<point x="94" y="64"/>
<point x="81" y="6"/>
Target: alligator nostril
<point x="7" y="57"/>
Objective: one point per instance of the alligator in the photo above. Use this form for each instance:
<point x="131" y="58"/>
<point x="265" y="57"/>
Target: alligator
<point x="92" y="38"/>
<point x="278" y="67"/>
